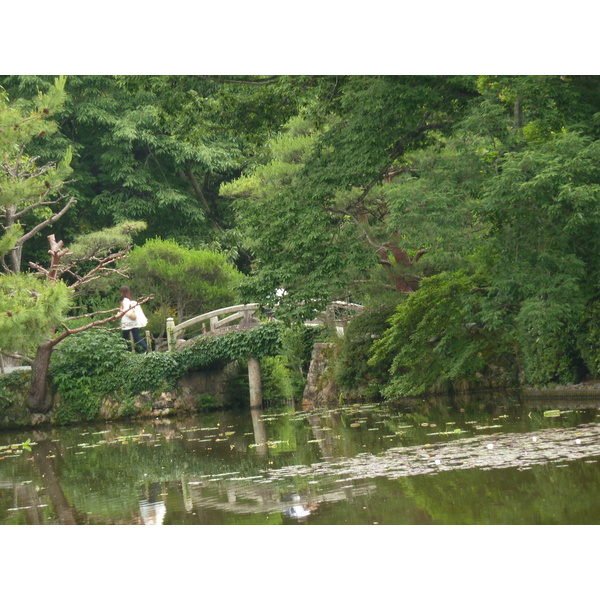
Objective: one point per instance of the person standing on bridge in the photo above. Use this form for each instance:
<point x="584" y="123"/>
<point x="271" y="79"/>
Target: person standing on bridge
<point x="133" y="319"/>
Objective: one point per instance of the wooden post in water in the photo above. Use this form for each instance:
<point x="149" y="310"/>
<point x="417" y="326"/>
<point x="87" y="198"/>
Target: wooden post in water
<point x="255" y="382"/>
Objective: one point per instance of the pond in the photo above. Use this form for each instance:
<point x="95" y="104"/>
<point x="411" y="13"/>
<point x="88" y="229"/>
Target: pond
<point x="448" y="462"/>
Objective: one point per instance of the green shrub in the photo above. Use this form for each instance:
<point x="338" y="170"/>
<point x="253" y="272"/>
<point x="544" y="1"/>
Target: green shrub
<point x="278" y="382"/>
<point x="433" y="338"/>
<point x="206" y="402"/>
<point x="81" y="400"/>
<point x="81" y="368"/>
<point x="352" y="370"/>
<point x="91" y="353"/>
<point x="147" y="372"/>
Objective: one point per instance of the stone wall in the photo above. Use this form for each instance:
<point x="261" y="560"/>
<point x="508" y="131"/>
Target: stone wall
<point x="321" y="388"/>
<point x="194" y="391"/>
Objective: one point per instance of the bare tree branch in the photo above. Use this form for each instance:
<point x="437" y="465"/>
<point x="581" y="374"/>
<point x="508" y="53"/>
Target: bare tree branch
<point x="101" y="269"/>
<point x="42" y="202"/>
<point x="47" y="222"/>
<point x="26" y="359"/>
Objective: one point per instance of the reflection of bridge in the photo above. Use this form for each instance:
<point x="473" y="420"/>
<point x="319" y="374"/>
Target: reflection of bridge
<point x="242" y="317"/>
<point x="260" y="496"/>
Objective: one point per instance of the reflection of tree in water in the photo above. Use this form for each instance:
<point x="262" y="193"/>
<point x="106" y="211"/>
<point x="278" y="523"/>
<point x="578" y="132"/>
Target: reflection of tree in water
<point x="44" y="455"/>
<point x="234" y="493"/>
<point x="208" y="469"/>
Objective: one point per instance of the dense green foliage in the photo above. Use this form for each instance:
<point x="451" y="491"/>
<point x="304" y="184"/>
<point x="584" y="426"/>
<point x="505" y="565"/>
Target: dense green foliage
<point x="80" y="370"/>
<point x="434" y="338"/>
<point x="352" y="369"/>
<point x="97" y="363"/>
<point x="184" y="282"/>
<point x="258" y="342"/>
<point x="464" y="208"/>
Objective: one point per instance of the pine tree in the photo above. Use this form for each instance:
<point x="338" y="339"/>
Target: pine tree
<point x="31" y="195"/>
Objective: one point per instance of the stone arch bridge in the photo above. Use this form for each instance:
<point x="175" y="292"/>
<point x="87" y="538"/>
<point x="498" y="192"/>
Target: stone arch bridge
<point x="243" y="317"/>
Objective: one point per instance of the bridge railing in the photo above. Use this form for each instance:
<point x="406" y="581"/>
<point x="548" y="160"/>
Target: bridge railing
<point x="245" y="312"/>
<point x="336" y="314"/>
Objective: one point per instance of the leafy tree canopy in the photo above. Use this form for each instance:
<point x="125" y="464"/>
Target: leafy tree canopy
<point x="182" y="280"/>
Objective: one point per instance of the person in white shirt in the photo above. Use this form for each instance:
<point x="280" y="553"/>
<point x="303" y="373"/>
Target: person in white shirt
<point x="133" y="319"/>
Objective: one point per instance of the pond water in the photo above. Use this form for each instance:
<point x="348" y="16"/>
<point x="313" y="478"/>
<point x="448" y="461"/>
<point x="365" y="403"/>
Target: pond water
<point x="478" y="462"/>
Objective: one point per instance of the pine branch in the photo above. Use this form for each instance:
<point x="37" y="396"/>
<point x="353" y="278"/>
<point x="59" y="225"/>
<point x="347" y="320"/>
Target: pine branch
<point x="48" y="221"/>
<point x="99" y="271"/>
<point x="43" y="201"/>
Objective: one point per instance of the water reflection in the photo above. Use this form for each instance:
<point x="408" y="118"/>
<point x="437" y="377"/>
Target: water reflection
<point x="152" y="505"/>
<point x="355" y="464"/>
<point x="260" y="431"/>
<point x="45" y="455"/>
<point x="300" y="509"/>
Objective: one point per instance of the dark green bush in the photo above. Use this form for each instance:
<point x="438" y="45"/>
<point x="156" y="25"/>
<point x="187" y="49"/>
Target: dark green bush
<point x="433" y="338"/>
<point x="80" y="370"/>
<point x="147" y="372"/>
<point x="91" y="353"/>
<point x="352" y="370"/>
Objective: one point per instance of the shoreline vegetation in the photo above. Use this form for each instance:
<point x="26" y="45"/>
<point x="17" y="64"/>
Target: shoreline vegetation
<point x="190" y="396"/>
<point x="460" y="212"/>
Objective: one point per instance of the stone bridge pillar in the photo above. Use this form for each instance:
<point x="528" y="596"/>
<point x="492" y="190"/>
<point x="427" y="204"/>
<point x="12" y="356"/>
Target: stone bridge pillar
<point x="255" y="382"/>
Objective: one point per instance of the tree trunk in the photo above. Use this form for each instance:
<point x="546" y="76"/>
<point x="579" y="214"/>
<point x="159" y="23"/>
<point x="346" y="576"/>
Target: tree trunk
<point x="401" y="257"/>
<point x="15" y="259"/>
<point x="40" y="400"/>
<point x="518" y="112"/>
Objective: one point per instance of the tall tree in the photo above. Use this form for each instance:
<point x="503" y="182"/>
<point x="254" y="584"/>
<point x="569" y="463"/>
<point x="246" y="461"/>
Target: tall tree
<point x="132" y="160"/>
<point x="528" y="277"/>
<point x="31" y="195"/>
<point x="324" y="223"/>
